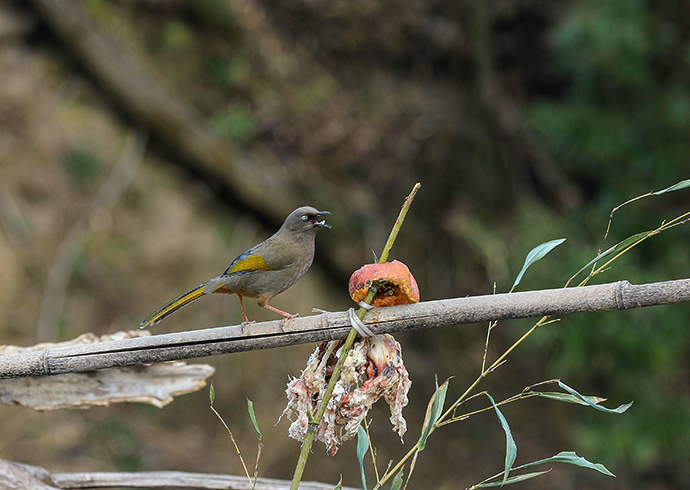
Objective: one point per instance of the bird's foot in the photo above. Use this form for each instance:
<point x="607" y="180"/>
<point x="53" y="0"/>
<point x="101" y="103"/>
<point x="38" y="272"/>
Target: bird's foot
<point x="286" y="317"/>
<point x="245" y="323"/>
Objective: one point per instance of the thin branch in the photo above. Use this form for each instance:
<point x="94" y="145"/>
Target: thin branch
<point x="252" y="486"/>
<point x="329" y="326"/>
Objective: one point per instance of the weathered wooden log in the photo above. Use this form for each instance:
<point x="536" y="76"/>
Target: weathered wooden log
<point x="28" y="477"/>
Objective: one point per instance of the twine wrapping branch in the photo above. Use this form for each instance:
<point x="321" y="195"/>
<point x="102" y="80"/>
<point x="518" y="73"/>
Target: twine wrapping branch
<point x="329" y="326"/>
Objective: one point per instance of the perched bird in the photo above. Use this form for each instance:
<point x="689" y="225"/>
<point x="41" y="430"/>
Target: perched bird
<point x="263" y="271"/>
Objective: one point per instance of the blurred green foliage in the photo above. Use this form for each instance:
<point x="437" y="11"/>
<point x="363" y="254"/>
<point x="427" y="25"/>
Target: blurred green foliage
<point x="622" y="124"/>
<point x="235" y="124"/>
<point x="228" y="71"/>
<point x="82" y="165"/>
<point x="626" y="104"/>
<point x="176" y="35"/>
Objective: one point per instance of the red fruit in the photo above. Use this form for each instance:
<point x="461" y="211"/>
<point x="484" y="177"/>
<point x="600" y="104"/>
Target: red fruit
<point x="397" y="285"/>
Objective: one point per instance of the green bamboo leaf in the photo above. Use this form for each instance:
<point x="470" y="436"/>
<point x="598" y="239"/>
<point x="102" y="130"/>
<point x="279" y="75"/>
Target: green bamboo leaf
<point x="512" y="479"/>
<point x="567" y="397"/>
<point x="615" y="249"/>
<point x="537" y="253"/>
<point x="252" y="415"/>
<point x="211" y="394"/>
<point x="433" y="412"/>
<point x="398" y="480"/>
<point x="676" y="187"/>
<point x="683" y="184"/>
<point x="362" y="449"/>
<point x="570" y="457"/>
<point x="339" y="486"/>
<point x="511" y="447"/>
<point x="588" y="401"/>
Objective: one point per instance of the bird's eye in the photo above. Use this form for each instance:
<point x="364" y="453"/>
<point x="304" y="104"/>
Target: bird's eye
<point x="305" y="217"/>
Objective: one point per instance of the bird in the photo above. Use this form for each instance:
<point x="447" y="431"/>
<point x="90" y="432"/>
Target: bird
<point x="263" y="271"/>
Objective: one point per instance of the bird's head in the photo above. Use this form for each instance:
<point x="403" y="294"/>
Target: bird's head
<point x="306" y="218"/>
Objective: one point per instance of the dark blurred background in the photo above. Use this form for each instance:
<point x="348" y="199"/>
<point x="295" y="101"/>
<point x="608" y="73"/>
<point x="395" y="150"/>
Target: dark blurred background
<point x="145" y="143"/>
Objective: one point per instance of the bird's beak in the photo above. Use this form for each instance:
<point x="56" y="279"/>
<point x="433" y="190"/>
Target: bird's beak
<point x="322" y="223"/>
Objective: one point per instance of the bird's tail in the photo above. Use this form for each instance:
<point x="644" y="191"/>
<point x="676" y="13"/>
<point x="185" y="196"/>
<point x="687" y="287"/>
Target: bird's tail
<point x="174" y="305"/>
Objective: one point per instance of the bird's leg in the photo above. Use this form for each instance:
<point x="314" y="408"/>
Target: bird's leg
<point x="245" y="321"/>
<point x="286" y="316"/>
<point x="262" y="301"/>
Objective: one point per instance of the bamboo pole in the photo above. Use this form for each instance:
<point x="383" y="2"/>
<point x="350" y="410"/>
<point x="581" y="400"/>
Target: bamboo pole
<point x="329" y="326"/>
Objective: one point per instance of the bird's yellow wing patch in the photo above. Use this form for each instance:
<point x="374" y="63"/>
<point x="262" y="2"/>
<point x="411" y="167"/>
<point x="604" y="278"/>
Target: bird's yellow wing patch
<point x="248" y="263"/>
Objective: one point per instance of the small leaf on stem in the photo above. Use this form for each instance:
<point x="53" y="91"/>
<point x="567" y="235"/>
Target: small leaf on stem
<point x="588" y="401"/>
<point x="398" y="480"/>
<point x="512" y="479"/>
<point x="433" y="412"/>
<point x="676" y="187"/>
<point x="252" y="415"/>
<point x="511" y="447"/>
<point x="570" y="457"/>
<point x="362" y="449"/>
<point x="537" y="253"/>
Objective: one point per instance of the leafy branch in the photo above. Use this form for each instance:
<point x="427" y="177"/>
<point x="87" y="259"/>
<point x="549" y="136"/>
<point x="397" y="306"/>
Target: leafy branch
<point x="436" y="417"/>
<point x="252" y="415"/>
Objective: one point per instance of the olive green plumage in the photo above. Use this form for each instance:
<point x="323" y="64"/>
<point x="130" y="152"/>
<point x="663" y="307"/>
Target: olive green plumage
<point x="263" y="271"/>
